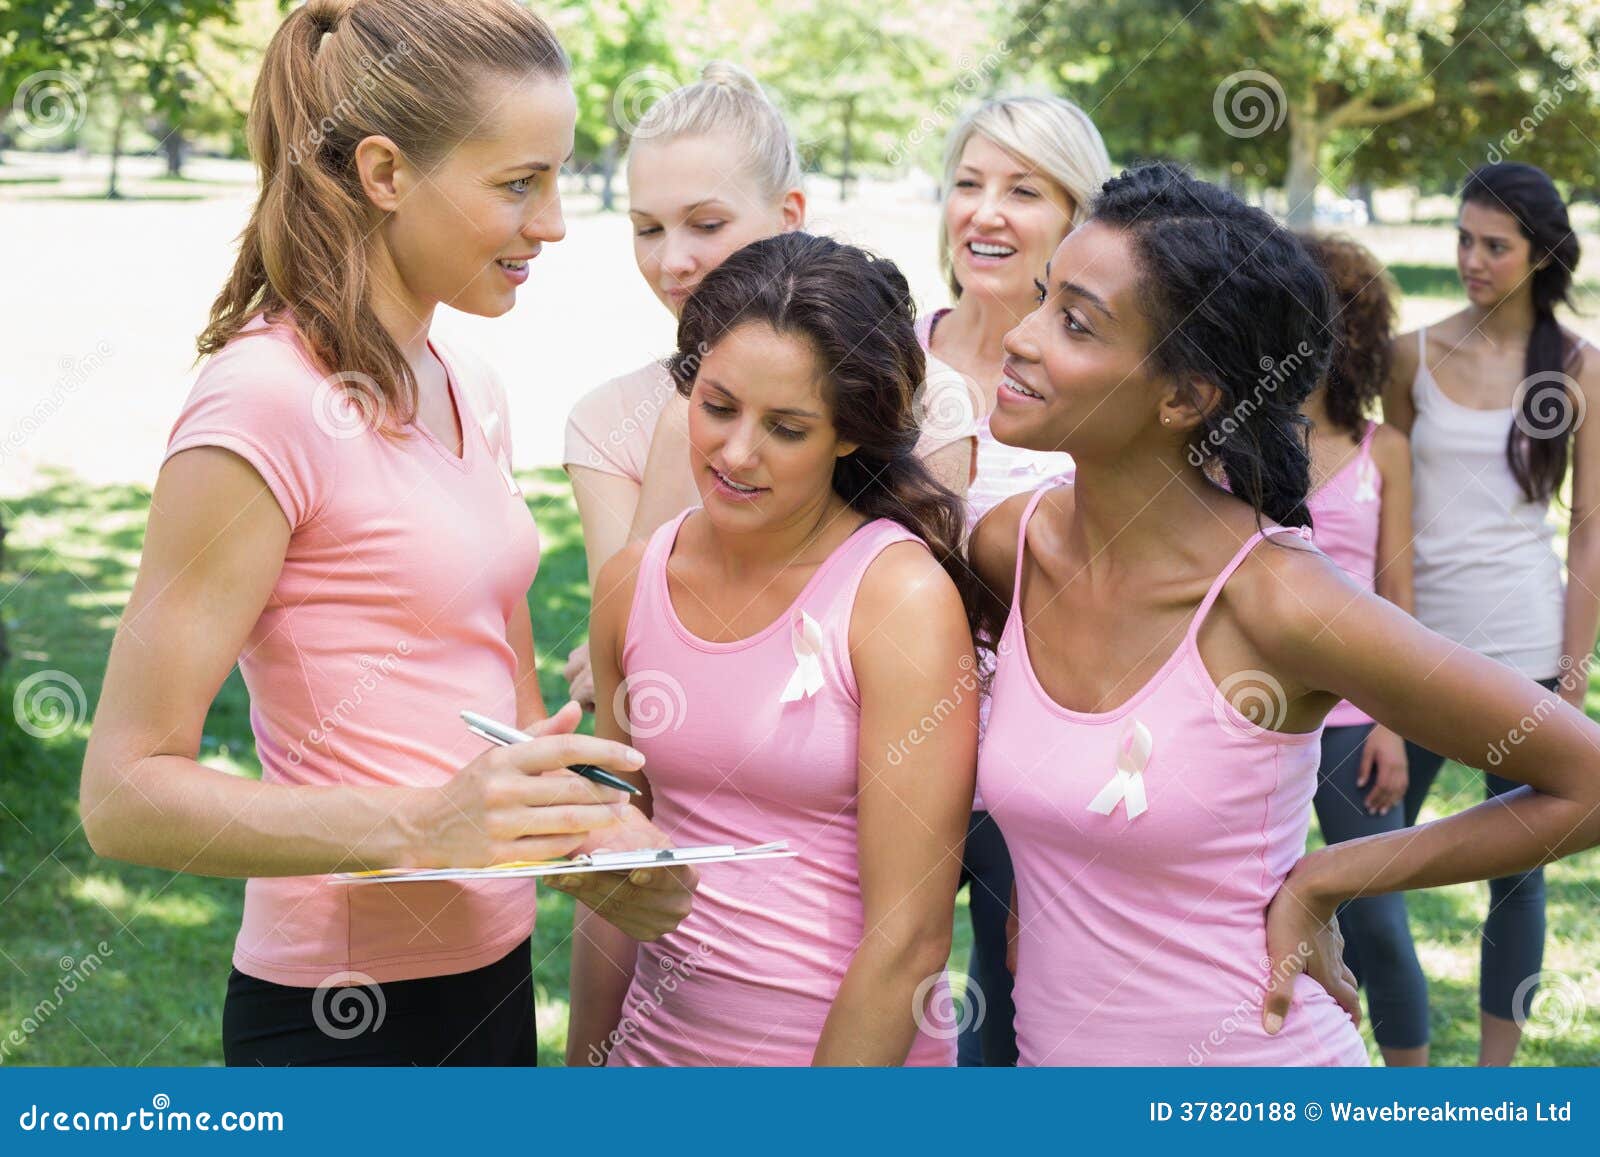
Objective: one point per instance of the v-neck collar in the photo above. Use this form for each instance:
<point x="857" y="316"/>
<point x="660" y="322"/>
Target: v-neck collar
<point x="464" y="419"/>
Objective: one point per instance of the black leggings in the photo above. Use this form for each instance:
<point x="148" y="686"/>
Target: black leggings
<point x="1511" y="950"/>
<point x="1377" y="933"/>
<point x="482" y="1017"/>
<point x="986" y="865"/>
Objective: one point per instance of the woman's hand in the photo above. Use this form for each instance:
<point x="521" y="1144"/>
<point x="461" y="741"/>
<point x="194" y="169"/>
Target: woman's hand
<point x="1303" y="936"/>
<point x="580" y="677"/>
<point x="646" y="903"/>
<point x="1383" y="764"/>
<point x="520" y="802"/>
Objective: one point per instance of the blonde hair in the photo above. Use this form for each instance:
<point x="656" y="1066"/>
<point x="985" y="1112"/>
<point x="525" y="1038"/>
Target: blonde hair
<point x="1047" y="134"/>
<point x="336" y="72"/>
<point x="727" y="100"/>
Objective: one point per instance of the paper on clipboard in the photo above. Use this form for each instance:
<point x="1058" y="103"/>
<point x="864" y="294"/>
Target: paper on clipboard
<point x="592" y="862"/>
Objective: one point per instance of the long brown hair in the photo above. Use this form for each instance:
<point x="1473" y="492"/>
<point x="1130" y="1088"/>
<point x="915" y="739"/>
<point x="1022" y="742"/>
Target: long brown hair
<point x="336" y="72"/>
<point x="857" y="312"/>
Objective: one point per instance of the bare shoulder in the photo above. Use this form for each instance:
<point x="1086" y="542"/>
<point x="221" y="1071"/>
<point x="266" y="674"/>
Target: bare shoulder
<point x="613" y="589"/>
<point x="1585" y="365"/>
<point x="1390" y="447"/>
<point x="1403" y="356"/>
<point x="1286" y="593"/>
<point x="904" y="584"/>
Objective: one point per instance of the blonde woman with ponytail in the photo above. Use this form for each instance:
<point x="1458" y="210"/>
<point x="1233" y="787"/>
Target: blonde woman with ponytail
<point x="336" y="513"/>
<point x="712" y="168"/>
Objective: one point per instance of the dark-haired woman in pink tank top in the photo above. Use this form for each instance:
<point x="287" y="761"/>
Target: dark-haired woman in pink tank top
<point x="1171" y="648"/>
<point x="795" y="664"/>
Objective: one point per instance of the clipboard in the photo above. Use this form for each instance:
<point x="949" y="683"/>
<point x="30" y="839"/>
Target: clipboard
<point x="590" y="862"/>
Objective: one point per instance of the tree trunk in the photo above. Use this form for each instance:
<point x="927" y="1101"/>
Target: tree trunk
<point x="844" y="162"/>
<point x="608" y="168"/>
<point x="112" y="192"/>
<point x="1306" y="134"/>
<point x="172" y="144"/>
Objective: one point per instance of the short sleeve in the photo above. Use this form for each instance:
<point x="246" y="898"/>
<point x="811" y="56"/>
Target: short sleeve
<point x="610" y="427"/>
<point x="260" y="399"/>
<point x="949" y="407"/>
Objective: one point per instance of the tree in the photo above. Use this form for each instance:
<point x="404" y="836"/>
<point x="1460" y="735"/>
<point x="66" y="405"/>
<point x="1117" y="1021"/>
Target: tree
<point x="1256" y="87"/>
<point x="855" y="80"/>
<point x="137" y="58"/>
<point x="622" y="62"/>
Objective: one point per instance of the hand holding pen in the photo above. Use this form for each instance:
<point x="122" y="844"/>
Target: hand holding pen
<point x="502" y="806"/>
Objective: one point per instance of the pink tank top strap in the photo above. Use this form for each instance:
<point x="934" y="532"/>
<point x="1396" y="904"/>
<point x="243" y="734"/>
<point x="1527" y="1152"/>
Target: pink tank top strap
<point x="1227" y="572"/>
<point x="651" y="603"/>
<point x="1022" y="546"/>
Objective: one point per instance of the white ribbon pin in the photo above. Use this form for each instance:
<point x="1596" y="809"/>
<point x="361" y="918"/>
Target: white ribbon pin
<point x="1127" y="783"/>
<point x="1366" y="480"/>
<point x="807" y="678"/>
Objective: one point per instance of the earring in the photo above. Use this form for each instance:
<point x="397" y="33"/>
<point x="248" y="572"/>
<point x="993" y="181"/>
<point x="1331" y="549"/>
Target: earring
<point x="1166" y="420"/>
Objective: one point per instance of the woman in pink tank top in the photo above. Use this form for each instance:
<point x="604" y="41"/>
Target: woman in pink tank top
<point x="1165" y="670"/>
<point x="1360" y="506"/>
<point x="795" y="665"/>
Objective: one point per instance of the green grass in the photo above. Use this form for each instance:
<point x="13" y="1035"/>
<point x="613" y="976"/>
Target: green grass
<point x="157" y="996"/>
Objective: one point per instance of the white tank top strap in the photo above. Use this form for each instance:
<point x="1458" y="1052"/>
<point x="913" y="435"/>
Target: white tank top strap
<point x="1233" y="564"/>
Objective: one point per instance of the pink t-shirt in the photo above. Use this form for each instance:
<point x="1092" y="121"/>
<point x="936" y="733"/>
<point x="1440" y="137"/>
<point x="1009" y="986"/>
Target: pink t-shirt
<point x="610" y="427"/>
<point x="750" y="975"/>
<point x="404" y="566"/>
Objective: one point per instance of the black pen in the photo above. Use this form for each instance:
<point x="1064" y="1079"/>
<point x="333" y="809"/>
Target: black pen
<point x="499" y="733"/>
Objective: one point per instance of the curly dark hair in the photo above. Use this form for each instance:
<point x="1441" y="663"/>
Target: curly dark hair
<point x="1364" y="314"/>
<point x="857" y="313"/>
<point x="1234" y="300"/>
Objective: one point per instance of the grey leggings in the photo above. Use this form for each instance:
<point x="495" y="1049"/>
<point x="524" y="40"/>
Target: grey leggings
<point x="1512" y="946"/>
<point x="1377" y="934"/>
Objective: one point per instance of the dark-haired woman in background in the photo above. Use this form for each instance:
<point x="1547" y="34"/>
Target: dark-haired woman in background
<point x="806" y="633"/>
<point x="1163" y="677"/>
<point x="1493" y="399"/>
<point x="1360" y="506"/>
